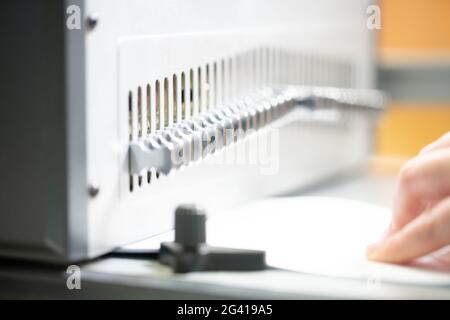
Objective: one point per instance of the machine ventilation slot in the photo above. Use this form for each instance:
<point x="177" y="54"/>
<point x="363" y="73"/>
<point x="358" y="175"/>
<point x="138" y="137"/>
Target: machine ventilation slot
<point x="130" y="130"/>
<point x="214" y="90"/>
<point x="164" y="102"/>
<point x="183" y="96"/>
<point x="175" y="98"/>
<point x="148" y="122"/>
<point x="139" y="122"/>
<point x="199" y="89"/>
<point x="207" y="88"/>
<point x="157" y="106"/>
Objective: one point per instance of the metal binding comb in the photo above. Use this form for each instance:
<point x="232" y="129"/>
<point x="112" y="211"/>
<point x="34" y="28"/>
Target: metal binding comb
<point x="204" y="134"/>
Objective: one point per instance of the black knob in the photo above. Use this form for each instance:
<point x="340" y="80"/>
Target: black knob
<point x="190" y="228"/>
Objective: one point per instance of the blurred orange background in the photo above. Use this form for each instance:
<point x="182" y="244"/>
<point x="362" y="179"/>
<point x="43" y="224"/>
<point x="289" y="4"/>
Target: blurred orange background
<point x="414" y="34"/>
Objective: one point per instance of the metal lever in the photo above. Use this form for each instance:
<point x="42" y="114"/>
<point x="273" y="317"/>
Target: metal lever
<point x="204" y="134"/>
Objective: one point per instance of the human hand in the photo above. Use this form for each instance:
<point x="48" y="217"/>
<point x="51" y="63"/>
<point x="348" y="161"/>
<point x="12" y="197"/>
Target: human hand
<point x="421" y="213"/>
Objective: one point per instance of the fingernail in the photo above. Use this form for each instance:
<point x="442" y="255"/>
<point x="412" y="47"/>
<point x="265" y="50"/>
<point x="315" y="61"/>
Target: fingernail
<point x="385" y="235"/>
<point x="372" y="250"/>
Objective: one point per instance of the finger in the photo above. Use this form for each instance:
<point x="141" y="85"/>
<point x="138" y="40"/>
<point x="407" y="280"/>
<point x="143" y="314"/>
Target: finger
<point x="424" y="235"/>
<point x="441" y="143"/>
<point x="422" y="180"/>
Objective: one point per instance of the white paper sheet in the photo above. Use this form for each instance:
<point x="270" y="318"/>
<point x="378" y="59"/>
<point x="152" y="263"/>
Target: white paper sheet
<point x="317" y="235"/>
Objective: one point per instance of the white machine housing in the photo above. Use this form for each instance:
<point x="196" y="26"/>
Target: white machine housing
<point x="139" y="66"/>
